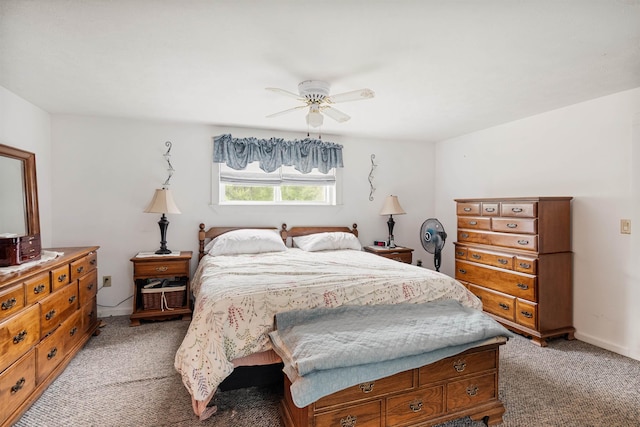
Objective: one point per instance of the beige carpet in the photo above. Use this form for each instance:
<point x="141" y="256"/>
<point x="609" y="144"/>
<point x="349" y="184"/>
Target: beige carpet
<point x="125" y="377"/>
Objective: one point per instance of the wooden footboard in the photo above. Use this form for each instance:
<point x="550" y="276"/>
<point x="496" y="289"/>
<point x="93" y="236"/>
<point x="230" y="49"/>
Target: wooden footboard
<point x="462" y="385"/>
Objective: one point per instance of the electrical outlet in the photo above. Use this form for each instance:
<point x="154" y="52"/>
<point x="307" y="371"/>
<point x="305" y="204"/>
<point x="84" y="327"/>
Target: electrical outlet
<point x="106" y="281"/>
<point x="625" y="226"/>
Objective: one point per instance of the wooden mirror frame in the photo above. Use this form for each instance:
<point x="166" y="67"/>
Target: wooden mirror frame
<point x="28" y="159"/>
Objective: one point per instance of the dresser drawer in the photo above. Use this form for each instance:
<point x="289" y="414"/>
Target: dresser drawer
<point x="468" y="208"/>
<point x="490" y="209"/>
<point x="160" y="268"/>
<point x="472" y="391"/>
<point x="56" y="308"/>
<point x="89" y="315"/>
<point x="18" y="334"/>
<point x="527" y="314"/>
<point x="461" y="252"/>
<point x="49" y="353"/>
<point x="517" y="284"/>
<point x="11" y="301"/>
<point x="502" y="305"/>
<point x="490" y="258"/>
<point x="474" y="223"/>
<point x="88" y="286"/>
<point x="515" y="225"/>
<point x="415" y="407"/>
<point x="367" y="415"/>
<point x="83" y="265"/>
<point x="60" y="277"/>
<point x="518" y="241"/>
<point x="37" y="288"/>
<point x="16" y="384"/>
<point x="526" y="265"/>
<point x="457" y="366"/>
<point x="519" y="209"/>
<point x="367" y="390"/>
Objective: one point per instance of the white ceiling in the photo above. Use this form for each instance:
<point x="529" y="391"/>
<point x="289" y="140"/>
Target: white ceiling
<point x="439" y="68"/>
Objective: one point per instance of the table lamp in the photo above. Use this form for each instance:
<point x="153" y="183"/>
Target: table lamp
<point x="163" y="203"/>
<point x="391" y="207"/>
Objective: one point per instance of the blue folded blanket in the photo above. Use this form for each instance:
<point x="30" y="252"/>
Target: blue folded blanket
<point x="329" y="349"/>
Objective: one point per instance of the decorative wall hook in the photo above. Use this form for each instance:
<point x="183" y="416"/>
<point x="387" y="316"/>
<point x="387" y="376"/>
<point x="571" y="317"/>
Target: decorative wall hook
<point x="373" y="166"/>
<point x="170" y="170"/>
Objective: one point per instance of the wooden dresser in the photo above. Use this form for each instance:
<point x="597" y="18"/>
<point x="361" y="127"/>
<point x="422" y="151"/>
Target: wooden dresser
<point x="462" y="385"/>
<point x="515" y="254"/>
<point x="48" y="312"/>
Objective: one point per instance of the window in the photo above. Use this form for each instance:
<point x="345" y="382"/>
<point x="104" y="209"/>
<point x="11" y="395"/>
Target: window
<point x="285" y="186"/>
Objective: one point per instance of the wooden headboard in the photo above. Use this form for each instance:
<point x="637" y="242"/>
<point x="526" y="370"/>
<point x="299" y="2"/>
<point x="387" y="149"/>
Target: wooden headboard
<point x="213" y="232"/>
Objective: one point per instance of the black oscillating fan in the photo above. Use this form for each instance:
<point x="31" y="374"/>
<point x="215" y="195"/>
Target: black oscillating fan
<point x="433" y="236"/>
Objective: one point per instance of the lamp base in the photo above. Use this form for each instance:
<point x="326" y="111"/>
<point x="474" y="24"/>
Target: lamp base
<point x="163" y="251"/>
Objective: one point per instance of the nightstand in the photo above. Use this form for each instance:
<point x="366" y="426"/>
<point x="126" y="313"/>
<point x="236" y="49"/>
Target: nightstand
<point x="398" y="253"/>
<point x="160" y="303"/>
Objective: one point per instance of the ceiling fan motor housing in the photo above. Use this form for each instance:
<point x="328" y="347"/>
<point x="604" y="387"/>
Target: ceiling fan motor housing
<point x="314" y="91"/>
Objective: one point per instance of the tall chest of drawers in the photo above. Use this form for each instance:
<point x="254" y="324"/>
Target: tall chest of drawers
<point x="47" y="314"/>
<point x="515" y="255"/>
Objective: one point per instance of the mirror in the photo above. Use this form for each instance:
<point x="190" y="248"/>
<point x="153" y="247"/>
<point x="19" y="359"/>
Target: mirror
<point x="19" y="213"/>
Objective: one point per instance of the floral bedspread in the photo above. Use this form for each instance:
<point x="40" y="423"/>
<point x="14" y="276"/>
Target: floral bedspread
<point x="238" y="296"/>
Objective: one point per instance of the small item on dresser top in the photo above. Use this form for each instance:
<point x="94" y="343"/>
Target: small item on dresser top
<point x="379" y="243"/>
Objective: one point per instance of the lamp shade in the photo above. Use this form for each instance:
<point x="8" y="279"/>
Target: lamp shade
<point x="392" y="206"/>
<point x="162" y="202"/>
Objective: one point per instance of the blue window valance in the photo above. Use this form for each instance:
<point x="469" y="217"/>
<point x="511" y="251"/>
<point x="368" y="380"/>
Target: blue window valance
<point x="303" y="155"/>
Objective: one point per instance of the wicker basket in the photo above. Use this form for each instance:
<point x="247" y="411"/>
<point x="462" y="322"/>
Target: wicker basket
<point x="166" y="298"/>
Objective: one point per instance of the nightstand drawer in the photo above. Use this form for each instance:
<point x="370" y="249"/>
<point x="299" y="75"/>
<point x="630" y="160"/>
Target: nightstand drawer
<point x="161" y="268"/>
<point x="399" y="256"/>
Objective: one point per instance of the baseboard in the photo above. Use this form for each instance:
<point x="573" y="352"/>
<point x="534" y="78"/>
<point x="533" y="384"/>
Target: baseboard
<point x="590" y="339"/>
<point x="113" y="311"/>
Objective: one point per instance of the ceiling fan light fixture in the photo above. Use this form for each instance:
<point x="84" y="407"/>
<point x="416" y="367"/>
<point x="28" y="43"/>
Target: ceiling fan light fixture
<point x="314" y="118"/>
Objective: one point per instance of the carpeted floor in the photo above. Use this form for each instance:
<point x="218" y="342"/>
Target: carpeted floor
<point x="125" y="377"/>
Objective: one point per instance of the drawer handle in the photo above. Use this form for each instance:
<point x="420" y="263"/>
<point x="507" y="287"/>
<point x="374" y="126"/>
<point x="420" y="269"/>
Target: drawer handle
<point x="416" y="405"/>
<point x="367" y="387"/>
<point x="512" y="225"/>
<point x="90" y="286"/>
<point x="503" y="261"/>
<point x="18" y="386"/>
<point x="50" y="315"/>
<point x="462" y="271"/>
<point x="20" y="337"/>
<point x="90" y="315"/>
<point x="52" y="353"/>
<point x="490" y="209"/>
<point x="473" y="222"/>
<point x="459" y="365"/>
<point x="73" y="331"/>
<point x="523" y="242"/>
<point x="464" y="235"/>
<point x="38" y="289"/>
<point x="72" y="298"/>
<point x="10" y="303"/>
<point x="476" y="256"/>
<point x="523" y="286"/>
<point x="460" y="253"/>
<point x="62" y="278"/>
<point x="504" y="306"/>
<point x="527" y="314"/>
<point x="31" y="250"/>
<point x="516" y="210"/>
<point x="472" y="390"/>
<point x="348" y="421"/>
<point x="93" y="261"/>
<point x="525" y="265"/>
<point x="162" y="269"/>
<point x="80" y="269"/>
<point x="467" y="209"/>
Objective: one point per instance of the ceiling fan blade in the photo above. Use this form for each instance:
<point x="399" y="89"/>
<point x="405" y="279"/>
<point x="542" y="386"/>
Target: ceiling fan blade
<point x="286" y="111"/>
<point x="336" y="115"/>
<point x="354" y="95"/>
<point x="286" y="93"/>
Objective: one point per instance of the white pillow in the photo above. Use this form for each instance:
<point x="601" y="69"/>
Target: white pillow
<point x="246" y="241"/>
<point x="327" y="241"/>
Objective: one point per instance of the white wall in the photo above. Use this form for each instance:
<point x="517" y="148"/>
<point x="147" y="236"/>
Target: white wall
<point x="105" y="172"/>
<point x="25" y="126"/>
<point x="584" y="151"/>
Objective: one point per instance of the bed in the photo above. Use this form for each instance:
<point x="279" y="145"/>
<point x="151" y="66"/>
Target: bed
<point x="244" y="278"/>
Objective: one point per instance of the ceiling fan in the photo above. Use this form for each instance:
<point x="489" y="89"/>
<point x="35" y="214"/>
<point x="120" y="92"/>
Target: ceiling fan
<point x="315" y="95"/>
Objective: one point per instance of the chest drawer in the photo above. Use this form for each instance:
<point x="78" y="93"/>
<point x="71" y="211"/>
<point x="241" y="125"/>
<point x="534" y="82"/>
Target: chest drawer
<point x="415" y="407"/>
<point x="16" y="384"/>
<point x="18" y="334"/>
<point x="457" y="366"/>
<point x="397" y="382"/>
<point x="527" y="313"/>
<point x="515" y="225"/>
<point x="490" y="209"/>
<point x="11" y="301"/>
<point x="474" y="223"/>
<point x="526" y="265"/>
<point x="60" y="277"/>
<point x="37" y="288"/>
<point x="516" y="284"/>
<point x="517" y="241"/>
<point x="502" y="305"/>
<point x="367" y="415"/>
<point x="470" y="392"/>
<point x="461" y="252"/>
<point x="56" y="308"/>
<point x="519" y="209"/>
<point x="490" y="258"/>
<point x="468" y="208"/>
